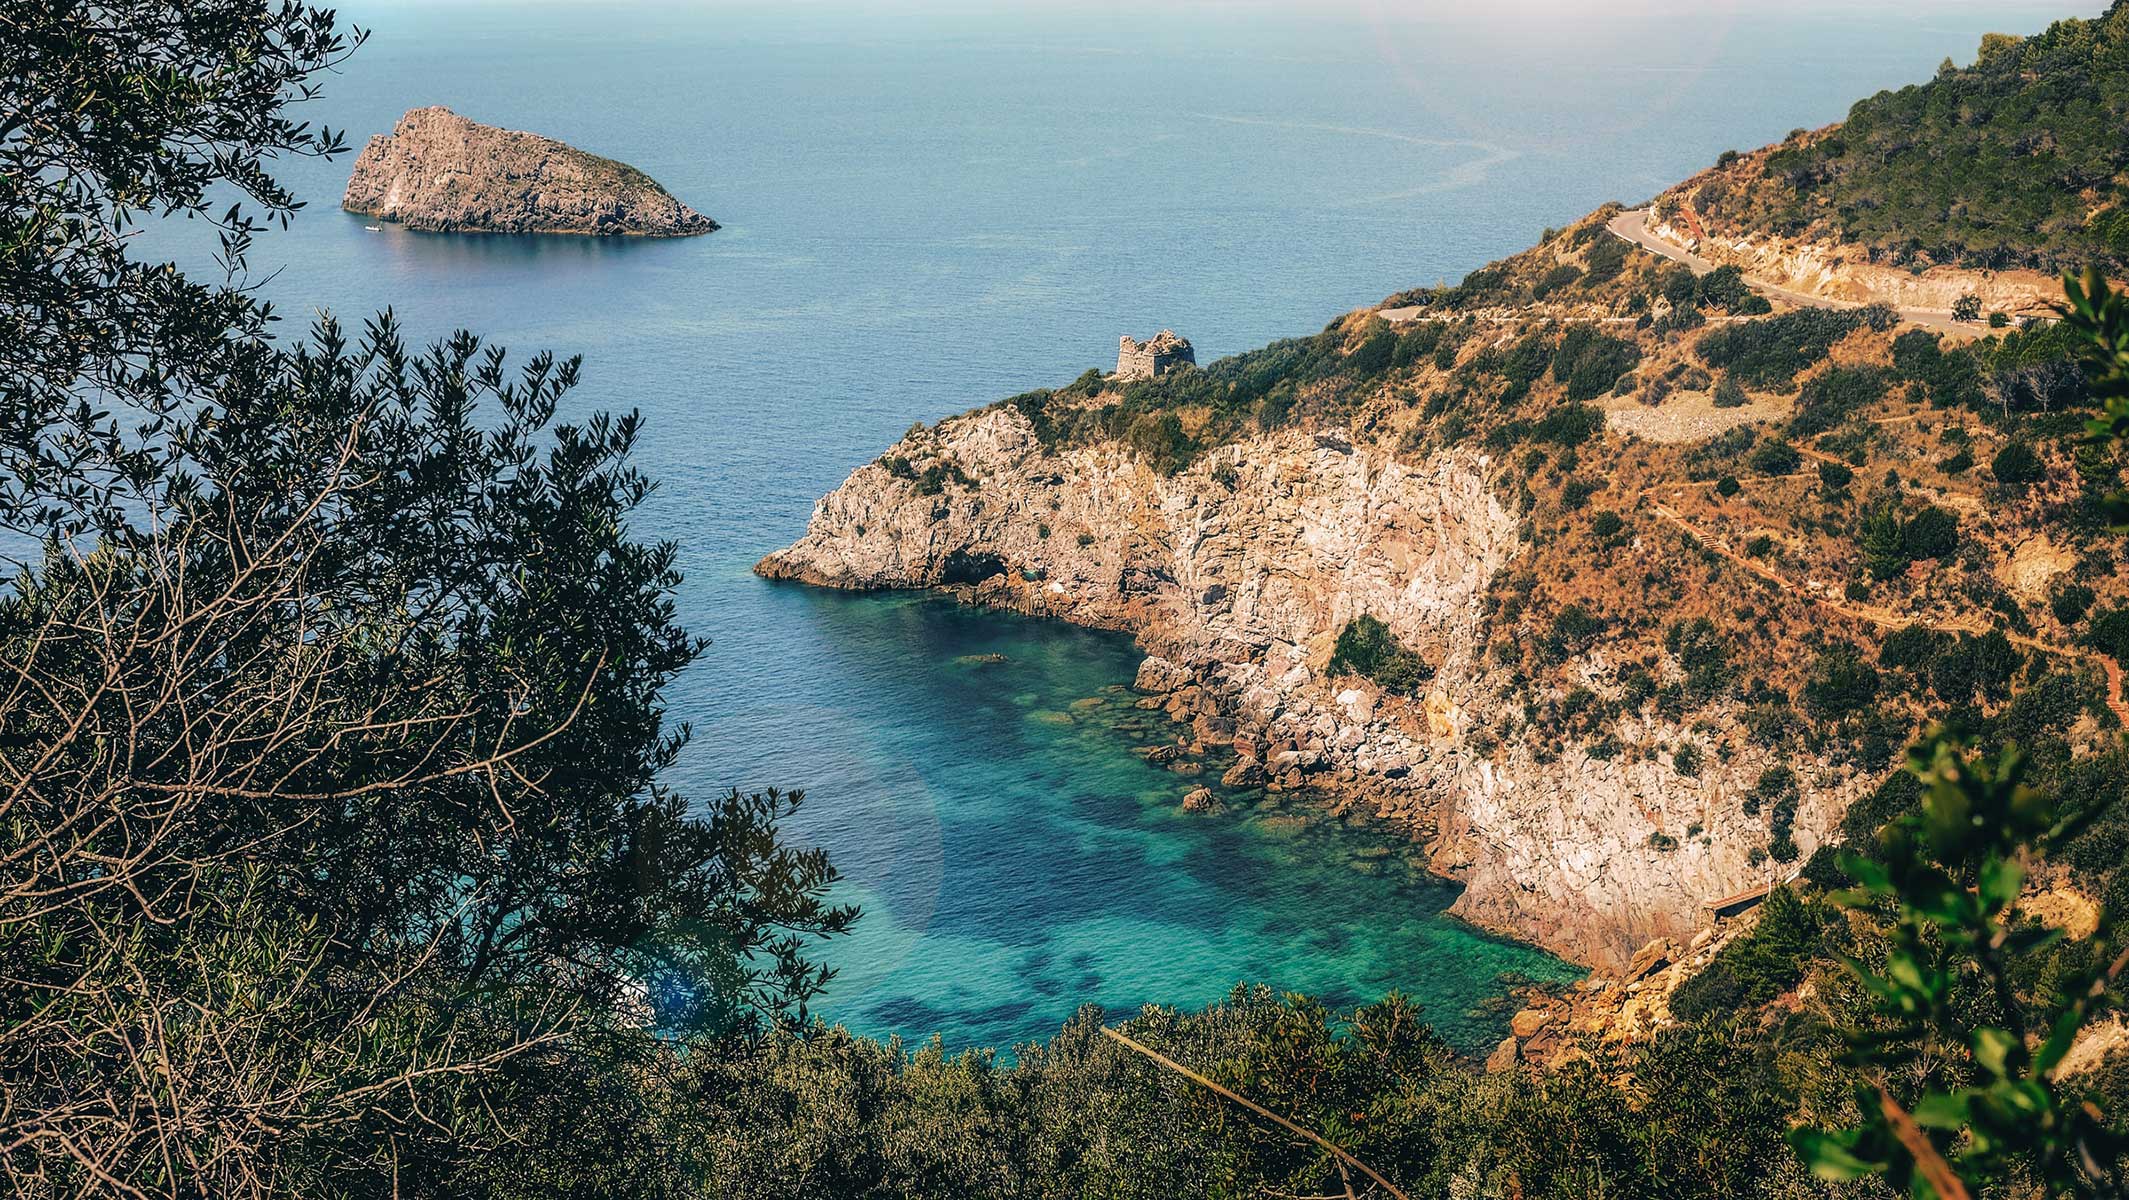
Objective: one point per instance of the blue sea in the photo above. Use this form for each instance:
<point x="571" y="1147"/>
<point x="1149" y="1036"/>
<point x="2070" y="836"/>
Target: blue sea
<point x="929" y="205"/>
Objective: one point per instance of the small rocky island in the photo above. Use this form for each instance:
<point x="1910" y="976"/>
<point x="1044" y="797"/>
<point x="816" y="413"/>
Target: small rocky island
<point x="439" y="172"/>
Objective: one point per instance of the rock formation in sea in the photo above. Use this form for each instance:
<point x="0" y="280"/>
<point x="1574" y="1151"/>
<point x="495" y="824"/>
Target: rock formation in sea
<point x="440" y="172"/>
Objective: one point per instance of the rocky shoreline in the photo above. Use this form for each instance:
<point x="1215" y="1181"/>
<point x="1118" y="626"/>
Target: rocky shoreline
<point x="1236" y="575"/>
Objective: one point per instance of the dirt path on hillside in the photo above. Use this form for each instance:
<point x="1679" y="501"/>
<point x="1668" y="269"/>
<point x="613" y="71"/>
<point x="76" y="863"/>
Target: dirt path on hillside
<point x="1633" y="227"/>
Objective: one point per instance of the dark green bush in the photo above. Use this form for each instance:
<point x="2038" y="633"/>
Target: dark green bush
<point x="1759" y="966"/>
<point x="1841" y="683"/>
<point x="1703" y="653"/>
<point x="2016" y="465"/>
<point x="1160" y="442"/>
<point x="2109" y="634"/>
<point x="1569" y="425"/>
<point x="1590" y="363"/>
<point x="1931" y="533"/>
<point x="1367" y="648"/>
<point x="1776" y="457"/>
<point x="1912" y="649"/>
<point x="1553" y="280"/>
<point x="1607" y="257"/>
<point x="1831" y="399"/>
<point x="2071" y="602"/>
<point x="1771" y="353"/>
<point x="1971" y="665"/>
<point x="1573" y="630"/>
<point x="1724" y="288"/>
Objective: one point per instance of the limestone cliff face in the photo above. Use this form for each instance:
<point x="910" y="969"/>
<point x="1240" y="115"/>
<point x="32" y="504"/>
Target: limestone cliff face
<point x="1238" y="573"/>
<point x="440" y="172"/>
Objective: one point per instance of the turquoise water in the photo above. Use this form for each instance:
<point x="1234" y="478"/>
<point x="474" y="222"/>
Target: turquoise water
<point x="929" y="205"/>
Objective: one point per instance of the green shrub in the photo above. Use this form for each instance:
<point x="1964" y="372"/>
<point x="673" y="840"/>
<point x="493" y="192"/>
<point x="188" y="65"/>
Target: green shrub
<point x="1703" y="653"/>
<point x="1372" y="357"/>
<point x="1553" y="280"/>
<point x="1367" y="648"/>
<point x="1159" y="441"/>
<point x="1607" y="257"/>
<point x="933" y="479"/>
<point x="1834" y="477"/>
<point x="1686" y="760"/>
<point x="1912" y="649"/>
<point x="1573" y="629"/>
<point x="1728" y="394"/>
<point x="1931" y="533"/>
<point x="1880" y="539"/>
<point x="2017" y="465"/>
<point x="1831" y="399"/>
<point x="1575" y="493"/>
<point x="1776" y="457"/>
<point x="1771" y="353"/>
<point x="1728" y="486"/>
<point x="1569" y="425"/>
<point x="2109" y="634"/>
<point x="1590" y="363"/>
<point x="2071" y="602"/>
<point x="1841" y="683"/>
<point x="1760" y="966"/>
<point x="1723" y="288"/>
<point x="1970" y="665"/>
<point x="1917" y="355"/>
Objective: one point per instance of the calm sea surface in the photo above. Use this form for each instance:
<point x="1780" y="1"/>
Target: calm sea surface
<point x="931" y="205"/>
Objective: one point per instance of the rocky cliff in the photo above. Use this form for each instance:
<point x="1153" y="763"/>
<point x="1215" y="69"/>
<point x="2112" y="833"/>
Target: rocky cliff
<point x="1238" y="572"/>
<point x="440" y="172"/>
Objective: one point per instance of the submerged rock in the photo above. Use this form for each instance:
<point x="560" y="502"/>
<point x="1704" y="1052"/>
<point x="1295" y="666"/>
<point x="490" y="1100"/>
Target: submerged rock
<point x="440" y="172"/>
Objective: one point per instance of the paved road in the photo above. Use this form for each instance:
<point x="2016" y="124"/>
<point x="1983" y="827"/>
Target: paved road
<point x="1633" y="226"/>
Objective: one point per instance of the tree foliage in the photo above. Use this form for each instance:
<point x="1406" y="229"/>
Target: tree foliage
<point x="332" y="717"/>
<point x="2013" y="161"/>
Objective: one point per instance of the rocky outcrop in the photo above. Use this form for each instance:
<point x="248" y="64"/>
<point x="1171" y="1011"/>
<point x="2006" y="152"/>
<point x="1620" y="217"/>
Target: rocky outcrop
<point x="440" y="172"/>
<point x="1239" y="572"/>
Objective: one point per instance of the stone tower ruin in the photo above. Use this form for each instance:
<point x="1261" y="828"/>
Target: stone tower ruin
<point x="1145" y="360"/>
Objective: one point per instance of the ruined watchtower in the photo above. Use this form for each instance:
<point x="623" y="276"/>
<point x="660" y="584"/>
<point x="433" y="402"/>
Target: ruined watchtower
<point x="1145" y="360"/>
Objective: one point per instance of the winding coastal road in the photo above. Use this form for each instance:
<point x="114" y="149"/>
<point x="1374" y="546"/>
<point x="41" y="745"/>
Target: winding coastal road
<point x="1633" y="227"/>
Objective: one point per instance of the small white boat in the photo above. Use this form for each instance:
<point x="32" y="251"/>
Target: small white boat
<point x="374" y="228"/>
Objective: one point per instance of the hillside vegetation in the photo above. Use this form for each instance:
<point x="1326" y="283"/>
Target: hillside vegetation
<point x="2016" y="160"/>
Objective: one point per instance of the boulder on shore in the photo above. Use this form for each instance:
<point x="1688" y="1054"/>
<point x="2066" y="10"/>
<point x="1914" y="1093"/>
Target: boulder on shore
<point x="1158" y="676"/>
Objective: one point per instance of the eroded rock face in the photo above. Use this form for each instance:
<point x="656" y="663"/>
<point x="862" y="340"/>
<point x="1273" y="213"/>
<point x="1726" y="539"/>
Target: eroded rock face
<point x="440" y="172"/>
<point x="1237" y="575"/>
